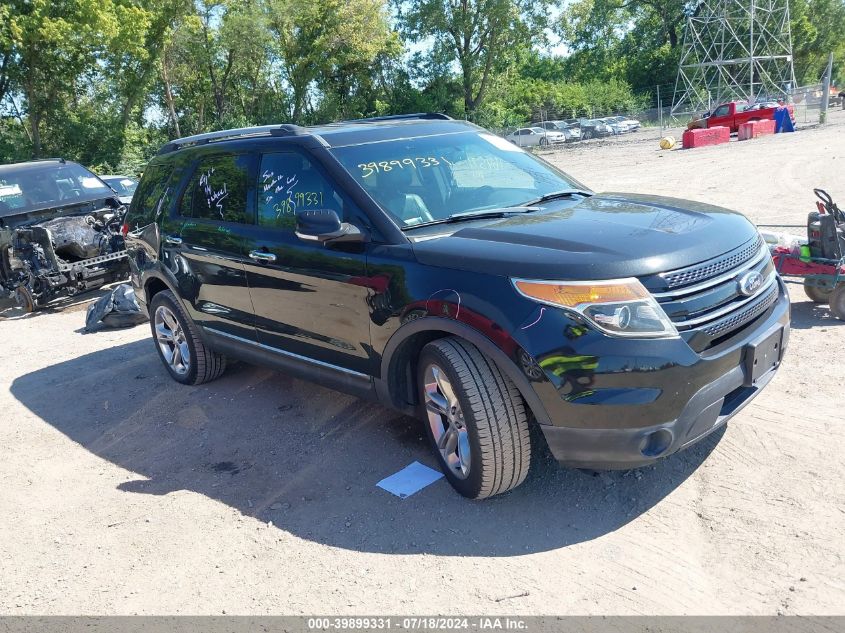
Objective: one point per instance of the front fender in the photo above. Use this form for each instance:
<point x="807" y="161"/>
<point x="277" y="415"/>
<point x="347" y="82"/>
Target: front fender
<point x="505" y="363"/>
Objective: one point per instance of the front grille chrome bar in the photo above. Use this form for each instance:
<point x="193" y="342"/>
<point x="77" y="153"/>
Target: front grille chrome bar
<point x="731" y="307"/>
<point x="715" y="281"/>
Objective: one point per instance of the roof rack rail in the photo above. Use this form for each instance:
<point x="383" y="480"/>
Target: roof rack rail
<point x="40" y="160"/>
<point x="285" y="129"/>
<point x="400" y="117"/>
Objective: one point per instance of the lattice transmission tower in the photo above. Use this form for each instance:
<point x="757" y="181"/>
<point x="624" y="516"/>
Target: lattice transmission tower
<point x="734" y="50"/>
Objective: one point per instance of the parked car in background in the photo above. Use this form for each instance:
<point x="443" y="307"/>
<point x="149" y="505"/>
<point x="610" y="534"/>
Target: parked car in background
<point x="615" y="126"/>
<point x="630" y="125"/>
<point x="570" y="132"/>
<point x="124" y="186"/>
<point x="574" y="130"/>
<point x="535" y="136"/>
<point x="735" y="113"/>
<point x="594" y="128"/>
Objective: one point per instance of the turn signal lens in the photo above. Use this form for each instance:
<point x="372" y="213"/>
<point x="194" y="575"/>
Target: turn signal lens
<point x="621" y="307"/>
<point x="571" y="295"/>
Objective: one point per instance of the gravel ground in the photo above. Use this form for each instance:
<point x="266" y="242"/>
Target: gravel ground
<point x="123" y="492"/>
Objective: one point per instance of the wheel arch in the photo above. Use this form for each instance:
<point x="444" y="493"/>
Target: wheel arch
<point x="153" y="286"/>
<point x="156" y="283"/>
<point x="397" y="384"/>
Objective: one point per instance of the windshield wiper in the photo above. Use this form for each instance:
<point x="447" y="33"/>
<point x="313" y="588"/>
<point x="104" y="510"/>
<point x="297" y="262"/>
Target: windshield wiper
<point x="554" y="195"/>
<point x="478" y="214"/>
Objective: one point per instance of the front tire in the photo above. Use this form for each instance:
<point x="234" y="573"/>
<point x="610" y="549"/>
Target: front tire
<point x="475" y="419"/>
<point x="184" y="354"/>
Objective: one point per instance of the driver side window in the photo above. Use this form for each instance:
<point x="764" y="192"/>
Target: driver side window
<point x="288" y="182"/>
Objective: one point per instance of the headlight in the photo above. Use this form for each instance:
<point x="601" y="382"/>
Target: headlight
<point x="620" y="307"/>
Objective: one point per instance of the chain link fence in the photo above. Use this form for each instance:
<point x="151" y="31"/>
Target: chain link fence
<point x="624" y="126"/>
<point x="807" y="101"/>
<point x="593" y="126"/>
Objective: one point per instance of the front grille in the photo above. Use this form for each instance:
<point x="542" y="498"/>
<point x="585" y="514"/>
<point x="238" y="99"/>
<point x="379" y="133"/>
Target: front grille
<point x="733" y="321"/>
<point x="705" y="301"/>
<point x="713" y="267"/>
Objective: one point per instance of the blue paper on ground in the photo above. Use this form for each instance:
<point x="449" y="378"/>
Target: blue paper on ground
<point x="413" y="478"/>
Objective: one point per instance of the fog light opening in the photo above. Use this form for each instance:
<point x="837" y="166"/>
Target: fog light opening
<point x="656" y="443"/>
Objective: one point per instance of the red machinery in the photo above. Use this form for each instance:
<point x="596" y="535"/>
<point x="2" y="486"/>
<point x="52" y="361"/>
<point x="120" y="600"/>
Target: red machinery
<point x="821" y="263"/>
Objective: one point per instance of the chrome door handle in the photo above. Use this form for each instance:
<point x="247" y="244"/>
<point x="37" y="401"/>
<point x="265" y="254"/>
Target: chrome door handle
<point x="261" y="256"/>
<point x="172" y="239"/>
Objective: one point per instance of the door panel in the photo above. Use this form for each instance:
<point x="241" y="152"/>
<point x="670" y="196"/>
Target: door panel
<point x="205" y="246"/>
<point x="309" y="299"/>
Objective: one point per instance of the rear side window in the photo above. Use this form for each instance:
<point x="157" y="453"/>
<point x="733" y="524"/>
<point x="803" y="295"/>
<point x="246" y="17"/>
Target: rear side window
<point x="218" y="190"/>
<point x="152" y="197"/>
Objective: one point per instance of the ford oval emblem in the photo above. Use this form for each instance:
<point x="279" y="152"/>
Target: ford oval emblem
<point x="750" y="282"/>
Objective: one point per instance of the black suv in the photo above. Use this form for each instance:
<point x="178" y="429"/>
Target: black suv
<point x="435" y="267"/>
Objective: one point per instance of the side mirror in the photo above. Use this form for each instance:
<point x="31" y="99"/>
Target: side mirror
<point x="324" y="225"/>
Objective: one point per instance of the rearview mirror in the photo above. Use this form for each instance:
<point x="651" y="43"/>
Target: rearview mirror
<point x="324" y="225"/>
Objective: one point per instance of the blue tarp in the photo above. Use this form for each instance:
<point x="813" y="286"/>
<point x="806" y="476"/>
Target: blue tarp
<point x="783" y="122"/>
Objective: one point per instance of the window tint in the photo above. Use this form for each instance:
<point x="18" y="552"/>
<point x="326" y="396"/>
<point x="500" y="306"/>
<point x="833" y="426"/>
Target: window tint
<point x="218" y="190"/>
<point x="152" y="197"/>
<point x="721" y="111"/>
<point x="287" y="182"/>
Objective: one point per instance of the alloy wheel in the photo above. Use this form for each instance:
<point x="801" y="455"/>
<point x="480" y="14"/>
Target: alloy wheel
<point x="446" y="420"/>
<point x="171" y="341"/>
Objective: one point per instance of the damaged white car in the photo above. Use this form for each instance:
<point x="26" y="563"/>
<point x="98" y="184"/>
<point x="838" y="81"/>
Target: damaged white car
<point x="60" y="232"/>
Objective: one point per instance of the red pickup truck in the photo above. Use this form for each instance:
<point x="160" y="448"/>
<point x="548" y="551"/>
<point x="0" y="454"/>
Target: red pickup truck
<point x="735" y="113"/>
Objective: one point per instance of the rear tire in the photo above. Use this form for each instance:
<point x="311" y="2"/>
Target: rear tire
<point x="184" y="354"/>
<point x="837" y="302"/>
<point x="817" y="294"/>
<point x="475" y="418"/>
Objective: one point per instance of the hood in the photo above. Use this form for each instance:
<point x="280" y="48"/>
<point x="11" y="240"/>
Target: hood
<point x="604" y="236"/>
<point x="11" y="218"/>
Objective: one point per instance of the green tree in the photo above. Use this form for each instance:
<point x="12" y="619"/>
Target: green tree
<point x="481" y="36"/>
<point x="329" y="38"/>
<point x="52" y="43"/>
<point x="635" y="40"/>
<point x="817" y="32"/>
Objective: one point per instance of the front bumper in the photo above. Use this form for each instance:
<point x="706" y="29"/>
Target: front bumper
<point x="617" y="404"/>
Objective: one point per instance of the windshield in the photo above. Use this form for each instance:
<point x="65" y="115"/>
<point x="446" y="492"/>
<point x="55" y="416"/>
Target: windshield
<point x="426" y="179"/>
<point x="122" y="185"/>
<point x="31" y="188"/>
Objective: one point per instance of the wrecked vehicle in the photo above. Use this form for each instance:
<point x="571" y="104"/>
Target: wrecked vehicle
<point x="60" y="232"/>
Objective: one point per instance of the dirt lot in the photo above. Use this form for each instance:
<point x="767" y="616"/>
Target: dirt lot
<point x="123" y="492"/>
